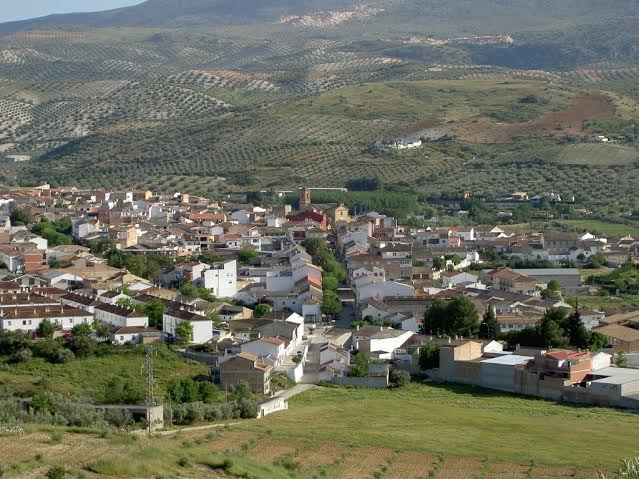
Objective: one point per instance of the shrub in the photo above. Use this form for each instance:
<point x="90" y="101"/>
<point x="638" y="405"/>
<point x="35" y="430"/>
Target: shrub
<point x="56" y="438"/>
<point x="399" y="378"/>
<point x="64" y="355"/>
<point x="56" y="472"/>
<point x="23" y="356"/>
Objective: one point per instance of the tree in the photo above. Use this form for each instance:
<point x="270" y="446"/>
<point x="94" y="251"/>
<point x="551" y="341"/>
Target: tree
<point x="82" y="346"/>
<point x="399" y="377"/>
<point x="463" y="318"/>
<point x="550" y="330"/>
<point x="621" y="359"/>
<point x="46" y="328"/>
<point x="124" y="390"/>
<point x="155" y="310"/>
<point x="359" y="366"/>
<point x="125" y="303"/>
<point x="101" y="330"/>
<point x="552" y="291"/>
<point x="489" y="327"/>
<point x="429" y="356"/>
<point x="435" y="317"/>
<point x="184" y="331"/>
<point x="439" y="263"/>
<point x="331" y="304"/>
<point x="281" y="382"/>
<point x="597" y="341"/>
<point x="20" y="216"/>
<point x="578" y="335"/>
<point x="82" y="329"/>
<point x="241" y="390"/>
<point x="261" y="310"/>
<point x="245" y="255"/>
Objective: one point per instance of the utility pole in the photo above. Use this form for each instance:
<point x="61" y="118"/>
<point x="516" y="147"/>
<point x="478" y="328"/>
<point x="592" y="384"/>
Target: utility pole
<point x="149" y="383"/>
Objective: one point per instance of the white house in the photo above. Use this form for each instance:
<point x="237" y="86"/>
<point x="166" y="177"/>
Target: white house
<point x="383" y="289"/>
<point x="136" y="335"/>
<point x="379" y="340"/>
<point x="202" y="325"/>
<point x="267" y="347"/>
<point x="221" y="279"/>
<point x="117" y="316"/>
<point x="28" y="319"/>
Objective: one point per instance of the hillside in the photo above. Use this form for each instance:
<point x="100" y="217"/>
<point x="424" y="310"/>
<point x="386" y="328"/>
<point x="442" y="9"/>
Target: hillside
<point x="487" y="15"/>
<point x="421" y="431"/>
<point x="232" y="96"/>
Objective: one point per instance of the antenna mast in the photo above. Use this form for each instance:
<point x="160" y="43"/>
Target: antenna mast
<point x="149" y="383"/>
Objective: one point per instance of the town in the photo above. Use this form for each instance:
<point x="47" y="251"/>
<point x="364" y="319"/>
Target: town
<point x="273" y="294"/>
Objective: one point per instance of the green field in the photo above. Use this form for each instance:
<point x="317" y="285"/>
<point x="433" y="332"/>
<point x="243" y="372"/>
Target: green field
<point x="441" y="99"/>
<point x="88" y="378"/>
<point x="420" y="431"/>
<point x="594" y="154"/>
<point x="604" y="227"/>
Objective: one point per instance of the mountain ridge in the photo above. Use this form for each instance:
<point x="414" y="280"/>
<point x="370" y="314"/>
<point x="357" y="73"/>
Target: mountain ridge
<point x="419" y="14"/>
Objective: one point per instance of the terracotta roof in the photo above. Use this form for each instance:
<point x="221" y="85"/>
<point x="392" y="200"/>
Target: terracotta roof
<point x="622" y="333"/>
<point x="271" y="340"/>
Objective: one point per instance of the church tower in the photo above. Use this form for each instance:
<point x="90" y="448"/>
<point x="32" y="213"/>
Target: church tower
<point x="305" y="198"/>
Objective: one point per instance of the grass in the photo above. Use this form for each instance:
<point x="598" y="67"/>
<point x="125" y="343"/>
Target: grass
<point x="460" y="421"/>
<point x="604" y="227"/>
<point x="435" y="99"/>
<point x="452" y="431"/>
<point x="594" y="154"/>
<point x="88" y="378"/>
<point x="609" y="304"/>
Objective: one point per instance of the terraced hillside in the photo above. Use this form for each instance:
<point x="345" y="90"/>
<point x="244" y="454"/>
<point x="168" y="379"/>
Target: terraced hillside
<point x="302" y="93"/>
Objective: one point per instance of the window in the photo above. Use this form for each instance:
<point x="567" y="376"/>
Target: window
<point x="24" y="322"/>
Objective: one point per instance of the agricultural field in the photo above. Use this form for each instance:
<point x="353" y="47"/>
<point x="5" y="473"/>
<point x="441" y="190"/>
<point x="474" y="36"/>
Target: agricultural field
<point x="594" y="154"/>
<point x="627" y="228"/>
<point x="421" y="431"/>
<point x="302" y="97"/>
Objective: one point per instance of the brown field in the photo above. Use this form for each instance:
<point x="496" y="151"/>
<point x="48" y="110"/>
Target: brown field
<point x="412" y="465"/>
<point x="507" y="471"/>
<point x="269" y="449"/>
<point x="557" y="124"/>
<point x="548" y="472"/>
<point x="461" y="468"/>
<point x="314" y="456"/>
<point x="363" y="462"/>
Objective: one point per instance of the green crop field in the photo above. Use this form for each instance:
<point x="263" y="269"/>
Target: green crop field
<point x="417" y="432"/>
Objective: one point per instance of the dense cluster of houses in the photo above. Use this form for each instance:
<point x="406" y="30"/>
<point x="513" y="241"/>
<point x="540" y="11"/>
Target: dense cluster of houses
<point x="394" y="273"/>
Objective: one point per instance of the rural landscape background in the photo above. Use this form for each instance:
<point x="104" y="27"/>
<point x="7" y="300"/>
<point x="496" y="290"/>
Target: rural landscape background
<point x="234" y="97"/>
<point x="220" y="95"/>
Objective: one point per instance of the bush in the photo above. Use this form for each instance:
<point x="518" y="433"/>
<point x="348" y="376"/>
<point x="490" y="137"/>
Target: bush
<point x="56" y="472"/>
<point x="64" y="355"/>
<point x="23" y="356"/>
<point x="82" y="346"/>
<point x="399" y="378"/>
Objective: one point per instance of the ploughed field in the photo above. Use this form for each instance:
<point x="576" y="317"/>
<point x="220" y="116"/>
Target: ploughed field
<point x="422" y="431"/>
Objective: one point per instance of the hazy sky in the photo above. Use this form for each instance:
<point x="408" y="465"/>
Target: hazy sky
<point x="22" y="9"/>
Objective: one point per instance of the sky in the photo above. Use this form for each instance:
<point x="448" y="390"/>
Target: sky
<point x="22" y="9"/>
